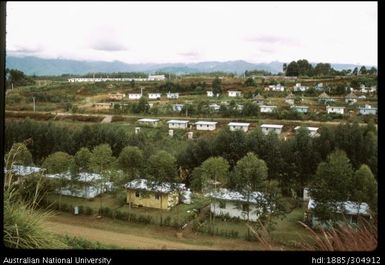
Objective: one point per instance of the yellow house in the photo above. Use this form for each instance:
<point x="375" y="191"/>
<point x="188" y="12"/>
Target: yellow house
<point x="144" y="193"/>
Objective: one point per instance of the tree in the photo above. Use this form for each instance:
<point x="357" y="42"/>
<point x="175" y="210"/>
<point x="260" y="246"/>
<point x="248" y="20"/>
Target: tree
<point x="250" y="174"/>
<point x="355" y="71"/>
<point x="363" y="70"/>
<point x="304" y="68"/>
<point x="249" y="82"/>
<point x="292" y="69"/>
<point x="161" y="167"/>
<point x="100" y="161"/>
<point x="214" y="170"/>
<point x="365" y="187"/>
<point x="57" y="162"/>
<point x="19" y="155"/>
<point x="372" y="71"/>
<point x="332" y="185"/>
<point x="130" y="161"/>
<point x="82" y="160"/>
<point x="217" y="86"/>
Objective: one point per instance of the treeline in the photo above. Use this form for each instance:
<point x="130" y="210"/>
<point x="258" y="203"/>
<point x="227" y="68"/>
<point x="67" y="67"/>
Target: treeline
<point x="304" y="68"/>
<point x="292" y="163"/>
<point x="17" y="78"/>
<point x="110" y="75"/>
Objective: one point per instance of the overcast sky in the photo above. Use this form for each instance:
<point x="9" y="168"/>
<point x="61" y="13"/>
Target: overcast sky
<point x="160" y="32"/>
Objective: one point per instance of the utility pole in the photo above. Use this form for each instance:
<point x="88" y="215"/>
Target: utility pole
<point x="12" y="85"/>
<point x="34" y="104"/>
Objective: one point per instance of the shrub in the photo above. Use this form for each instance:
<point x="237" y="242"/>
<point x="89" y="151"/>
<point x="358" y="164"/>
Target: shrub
<point x="88" y="210"/>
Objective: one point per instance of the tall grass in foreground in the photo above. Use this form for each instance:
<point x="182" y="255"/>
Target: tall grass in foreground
<point x="341" y="238"/>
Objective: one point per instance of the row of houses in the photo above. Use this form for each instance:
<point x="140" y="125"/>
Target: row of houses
<point x="212" y="125"/>
<point x="137" y="96"/>
<point x="166" y="195"/>
<point x="111" y="79"/>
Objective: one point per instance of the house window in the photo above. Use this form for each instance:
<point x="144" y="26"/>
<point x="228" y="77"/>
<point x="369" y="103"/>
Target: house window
<point x="157" y="196"/>
<point x="137" y="194"/>
<point x="222" y="204"/>
<point x="245" y="207"/>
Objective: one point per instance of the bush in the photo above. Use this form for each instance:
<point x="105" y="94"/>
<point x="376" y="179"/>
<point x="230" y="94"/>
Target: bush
<point x="88" y="210"/>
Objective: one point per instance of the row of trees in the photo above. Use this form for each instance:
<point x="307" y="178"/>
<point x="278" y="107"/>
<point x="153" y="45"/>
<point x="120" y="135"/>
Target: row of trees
<point x="304" y="68"/>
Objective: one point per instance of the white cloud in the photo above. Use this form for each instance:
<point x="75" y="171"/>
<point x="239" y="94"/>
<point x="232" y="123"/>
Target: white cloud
<point x="138" y="32"/>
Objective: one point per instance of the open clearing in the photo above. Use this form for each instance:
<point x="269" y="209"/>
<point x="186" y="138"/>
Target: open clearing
<point x="136" y="236"/>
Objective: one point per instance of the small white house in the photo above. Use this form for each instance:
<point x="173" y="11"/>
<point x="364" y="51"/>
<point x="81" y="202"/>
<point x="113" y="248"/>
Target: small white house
<point x="289" y="99"/>
<point x="134" y="96"/>
<point x="211" y="94"/>
<point x="214" y="107"/>
<point x="206" y="125"/>
<point x="172" y="95"/>
<point x="177" y="107"/>
<point x="233" y="204"/>
<point x="177" y="124"/>
<point x="367" y="110"/>
<point x="156" y="78"/>
<point x="334" y="109"/>
<point x="234" y="94"/>
<point x="234" y="126"/>
<point x="351" y="98"/>
<point x="267" y="128"/>
<point x="151" y="122"/>
<point x="154" y="95"/>
<point x="299" y="88"/>
<point x="313" y="131"/>
<point x="267" y="109"/>
<point x="277" y="88"/>
<point x="300" y="109"/>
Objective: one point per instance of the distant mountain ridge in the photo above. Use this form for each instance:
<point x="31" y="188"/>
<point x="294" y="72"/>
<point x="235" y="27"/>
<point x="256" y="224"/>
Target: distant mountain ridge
<point x="39" y="66"/>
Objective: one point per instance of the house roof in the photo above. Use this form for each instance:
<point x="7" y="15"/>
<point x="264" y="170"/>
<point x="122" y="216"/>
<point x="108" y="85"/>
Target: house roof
<point x="83" y="176"/>
<point x="300" y="107"/>
<point x="206" y="123"/>
<point x="275" y="126"/>
<point x="239" y="124"/>
<point x="265" y="106"/>
<point x="351" y="95"/>
<point x="148" y="185"/>
<point x="309" y="128"/>
<point x="336" y="107"/>
<point x="290" y="96"/>
<point x="177" y="121"/>
<point x="23" y="170"/>
<point x="148" y="120"/>
<point x="324" y="95"/>
<point x="229" y="195"/>
<point x="347" y="207"/>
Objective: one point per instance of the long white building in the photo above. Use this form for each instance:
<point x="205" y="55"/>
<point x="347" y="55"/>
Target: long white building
<point x="234" y="126"/>
<point x="177" y="124"/>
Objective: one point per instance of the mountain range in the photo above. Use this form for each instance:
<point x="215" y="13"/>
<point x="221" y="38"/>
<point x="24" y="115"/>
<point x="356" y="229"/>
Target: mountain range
<point x="39" y="66"/>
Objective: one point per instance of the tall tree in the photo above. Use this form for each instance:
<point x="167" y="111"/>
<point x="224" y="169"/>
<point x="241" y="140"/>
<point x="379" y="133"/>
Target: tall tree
<point x="217" y="86"/>
<point x="131" y="161"/>
<point x="82" y="160"/>
<point x="292" y="69"/>
<point x="57" y="162"/>
<point x="365" y="187"/>
<point x="332" y="185"/>
<point x="161" y="166"/>
<point x="215" y="170"/>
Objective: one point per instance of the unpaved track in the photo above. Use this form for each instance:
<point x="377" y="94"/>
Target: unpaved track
<point x="118" y="239"/>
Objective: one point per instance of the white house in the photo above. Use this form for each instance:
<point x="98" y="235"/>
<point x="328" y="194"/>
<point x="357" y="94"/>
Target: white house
<point x="154" y="95"/>
<point x="88" y="186"/>
<point x="234" y="94"/>
<point x="177" y="107"/>
<point x="367" y="110"/>
<point x="156" y="78"/>
<point x="134" y="96"/>
<point x="267" y="109"/>
<point x="234" y="126"/>
<point x="172" y="95"/>
<point x="211" y="94"/>
<point x="319" y="87"/>
<point x="299" y="88"/>
<point x="214" y="107"/>
<point x="151" y="122"/>
<point x="334" y="109"/>
<point x="267" y="128"/>
<point x="236" y="205"/>
<point x="313" y="131"/>
<point x="289" y="99"/>
<point x="258" y="99"/>
<point x="277" y="88"/>
<point x="351" y="98"/>
<point x="301" y="109"/>
<point x="177" y="124"/>
<point x="206" y="125"/>
<point x="349" y="209"/>
<point x="20" y="171"/>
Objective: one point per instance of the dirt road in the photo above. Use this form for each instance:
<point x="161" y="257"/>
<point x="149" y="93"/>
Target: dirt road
<point x="136" y="236"/>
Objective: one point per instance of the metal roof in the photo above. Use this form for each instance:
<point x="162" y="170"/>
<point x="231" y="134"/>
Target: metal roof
<point x="229" y="195"/>
<point x="206" y="123"/>
<point x="148" y="185"/>
<point x="177" y="121"/>
<point x="347" y="207"/>
<point x="271" y="126"/>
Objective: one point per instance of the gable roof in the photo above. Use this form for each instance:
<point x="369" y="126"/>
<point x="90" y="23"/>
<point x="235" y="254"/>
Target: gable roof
<point x="347" y="207"/>
<point x="351" y="95"/>
<point x="323" y="95"/>
<point x="148" y="185"/>
<point x="229" y="195"/>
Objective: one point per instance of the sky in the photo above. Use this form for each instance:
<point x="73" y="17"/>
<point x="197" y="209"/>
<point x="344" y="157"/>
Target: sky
<point x="188" y="32"/>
